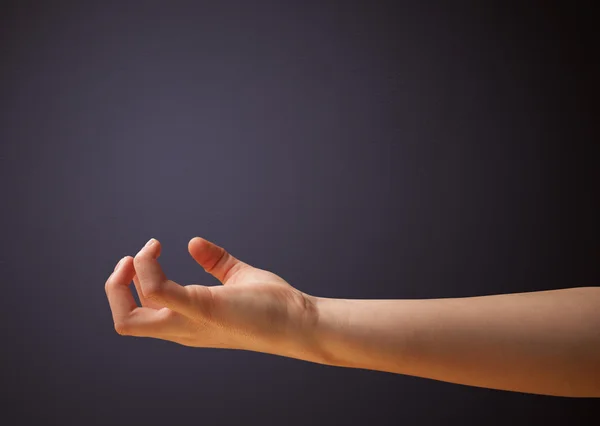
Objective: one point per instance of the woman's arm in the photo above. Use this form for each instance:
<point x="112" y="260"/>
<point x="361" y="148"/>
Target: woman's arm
<point x="543" y="342"/>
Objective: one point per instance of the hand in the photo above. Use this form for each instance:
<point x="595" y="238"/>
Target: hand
<point x="253" y="310"/>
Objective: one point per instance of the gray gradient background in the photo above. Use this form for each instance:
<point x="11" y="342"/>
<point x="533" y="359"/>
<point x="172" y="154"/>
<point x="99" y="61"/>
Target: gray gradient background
<point x="359" y="151"/>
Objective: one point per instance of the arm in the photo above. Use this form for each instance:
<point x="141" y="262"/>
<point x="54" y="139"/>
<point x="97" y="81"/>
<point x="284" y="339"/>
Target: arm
<point x="543" y="342"/>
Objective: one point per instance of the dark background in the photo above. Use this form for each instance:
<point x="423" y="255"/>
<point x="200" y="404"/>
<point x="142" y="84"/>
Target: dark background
<point x="358" y="149"/>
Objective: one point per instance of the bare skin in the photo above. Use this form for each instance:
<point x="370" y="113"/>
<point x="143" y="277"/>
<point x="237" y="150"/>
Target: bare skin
<point x="542" y="342"/>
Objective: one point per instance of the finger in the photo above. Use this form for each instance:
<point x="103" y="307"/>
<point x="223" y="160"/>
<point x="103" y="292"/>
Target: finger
<point x="145" y="322"/>
<point x="119" y="296"/>
<point x="156" y="287"/>
<point x="143" y="300"/>
<point x="214" y="259"/>
<point x="128" y="318"/>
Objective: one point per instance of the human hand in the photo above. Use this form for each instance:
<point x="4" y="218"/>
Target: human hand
<point x="439" y="339"/>
<point x="253" y="310"/>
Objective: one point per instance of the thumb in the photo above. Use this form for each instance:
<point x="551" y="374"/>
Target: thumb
<point x="214" y="259"/>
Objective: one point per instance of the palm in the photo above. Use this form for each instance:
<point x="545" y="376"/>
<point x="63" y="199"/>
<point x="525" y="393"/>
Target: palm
<point x="254" y="302"/>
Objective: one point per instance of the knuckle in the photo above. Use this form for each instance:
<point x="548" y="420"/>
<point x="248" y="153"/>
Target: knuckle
<point x="122" y="328"/>
<point x="108" y="285"/>
<point x="167" y="315"/>
<point x="220" y="260"/>
<point x="155" y="293"/>
<point x="142" y="258"/>
<point x="139" y="259"/>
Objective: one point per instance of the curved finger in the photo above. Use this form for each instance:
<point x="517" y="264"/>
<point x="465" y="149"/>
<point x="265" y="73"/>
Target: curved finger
<point x="143" y="300"/>
<point x="119" y="295"/>
<point x="146" y="322"/>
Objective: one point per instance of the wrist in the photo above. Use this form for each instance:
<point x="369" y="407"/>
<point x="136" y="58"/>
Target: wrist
<point x="302" y="339"/>
<point x="360" y="334"/>
<point x="316" y="334"/>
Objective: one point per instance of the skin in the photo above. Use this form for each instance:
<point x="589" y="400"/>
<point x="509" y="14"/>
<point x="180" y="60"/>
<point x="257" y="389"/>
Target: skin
<point x="541" y="342"/>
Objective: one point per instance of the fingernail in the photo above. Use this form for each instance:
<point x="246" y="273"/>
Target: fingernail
<point x="150" y="242"/>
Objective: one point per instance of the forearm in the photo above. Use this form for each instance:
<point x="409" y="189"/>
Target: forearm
<point x="542" y="342"/>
